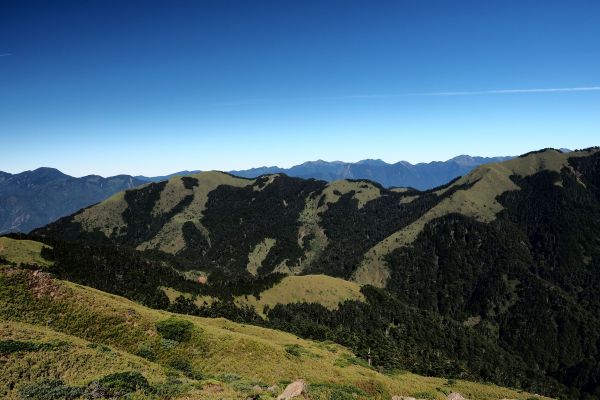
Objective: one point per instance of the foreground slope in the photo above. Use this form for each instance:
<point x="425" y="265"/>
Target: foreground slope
<point x="59" y="337"/>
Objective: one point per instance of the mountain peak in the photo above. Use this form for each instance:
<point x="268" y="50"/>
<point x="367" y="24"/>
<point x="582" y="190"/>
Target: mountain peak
<point x="462" y="157"/>
<point x="372" y="162"/>
<point x="48" y="171"/>
<point x="42" y="174"/>
<point x="319" y="162"/>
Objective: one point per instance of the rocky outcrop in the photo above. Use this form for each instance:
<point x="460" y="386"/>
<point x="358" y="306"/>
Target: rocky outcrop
<point x="456" y="396"/>
<point x="294" y="389"/>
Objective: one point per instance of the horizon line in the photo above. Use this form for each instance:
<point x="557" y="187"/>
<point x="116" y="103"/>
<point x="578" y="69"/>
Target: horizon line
<point x="134" y="175"/>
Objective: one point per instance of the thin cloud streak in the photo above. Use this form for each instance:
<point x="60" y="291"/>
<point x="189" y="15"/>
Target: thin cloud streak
<point x="5" y="54"/>
<point x="417" y="94"/>
<point x="509" y="91"/>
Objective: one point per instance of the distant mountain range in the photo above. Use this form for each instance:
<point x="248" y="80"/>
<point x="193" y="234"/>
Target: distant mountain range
<point x="420" y="176"/>
<point x="165" y="177"/>
<point x="35" y="198"/>
<point x="31" y="199"/>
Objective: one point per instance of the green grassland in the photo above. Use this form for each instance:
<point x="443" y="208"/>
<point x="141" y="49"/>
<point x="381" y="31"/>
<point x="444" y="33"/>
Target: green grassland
<point x="258" y="255"/>
<point x="82" y="336"/>
<point x="325" y="290"/>
<point x="105" y="216"/>
<point x="22" y="252"/>
<point x="363" y="191"/>
<point x="65" y="357"/>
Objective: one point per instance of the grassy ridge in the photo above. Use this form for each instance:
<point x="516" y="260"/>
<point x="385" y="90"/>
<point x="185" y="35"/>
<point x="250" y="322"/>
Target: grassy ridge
<point x="22" y="252"/>
<point x="479" y="201"/>
<point x="325" y="290"/>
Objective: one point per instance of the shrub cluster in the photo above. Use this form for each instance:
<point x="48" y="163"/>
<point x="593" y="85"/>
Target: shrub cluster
<point x="175" y="329"/>
<point x="14" y="346"/>
<point x="115" y="386"/>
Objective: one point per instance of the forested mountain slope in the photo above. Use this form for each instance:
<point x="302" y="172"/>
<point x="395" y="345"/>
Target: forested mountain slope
<point x="60" y="340"/>
<point x="494" y="276"/>
<point x="283" y="224"/>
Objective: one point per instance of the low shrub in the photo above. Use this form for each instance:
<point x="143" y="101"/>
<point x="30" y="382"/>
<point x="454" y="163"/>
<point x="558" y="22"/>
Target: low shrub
<point x="146" y="352"/>
<point x="346" y="360"/>
<point x="425" y="395"/>
<point x="100" y="347"/>
<point x="294" y="350"/>
<point x="330" y="391"/>
<point x="14" y="346"/>
<point x="229" y="377"/>
<point x="110" y="386"/>
<point x="50" y="389"/>
<point x="167" y="344"/>
<point x="185" y="367"/>
<point x="374" y="388"/>
<point x="170" y="389"/>
<point x="175" y="329"/>
<point x="248" y="386"/>
<point x="297" y="351"/>
<point x="118" y="384"/>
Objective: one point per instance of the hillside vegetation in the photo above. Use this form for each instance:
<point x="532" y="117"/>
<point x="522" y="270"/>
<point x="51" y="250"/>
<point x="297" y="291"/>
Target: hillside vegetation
<point x="22" y="252"/>
<point x="479" y="201"/>
<point x="322" y="289"/>
<point x="307" y="226"/>
<point x="493" y="276"/>
<point x="61" y="339"/>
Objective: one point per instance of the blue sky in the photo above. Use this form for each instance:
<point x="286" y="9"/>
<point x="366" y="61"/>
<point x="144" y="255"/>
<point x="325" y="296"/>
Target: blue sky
<point x="147" y="87"/>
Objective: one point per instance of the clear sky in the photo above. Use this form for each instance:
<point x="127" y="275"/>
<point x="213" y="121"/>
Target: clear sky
<point x="145" y="87"/>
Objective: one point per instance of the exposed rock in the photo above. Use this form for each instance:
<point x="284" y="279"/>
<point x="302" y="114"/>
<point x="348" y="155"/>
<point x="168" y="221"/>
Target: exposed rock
<point x="273" y="389"/>
<point x="456" y="396"/>
<point x="403" y="398"/>
<point x="294" y="389"/>
<point x="43" y="284"/>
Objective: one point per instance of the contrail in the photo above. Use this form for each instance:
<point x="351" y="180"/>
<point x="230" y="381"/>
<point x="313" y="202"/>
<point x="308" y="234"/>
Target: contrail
<point x="5" y="54"/>
<point x="415" y="94"/>
<point x="509" y="91"/>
